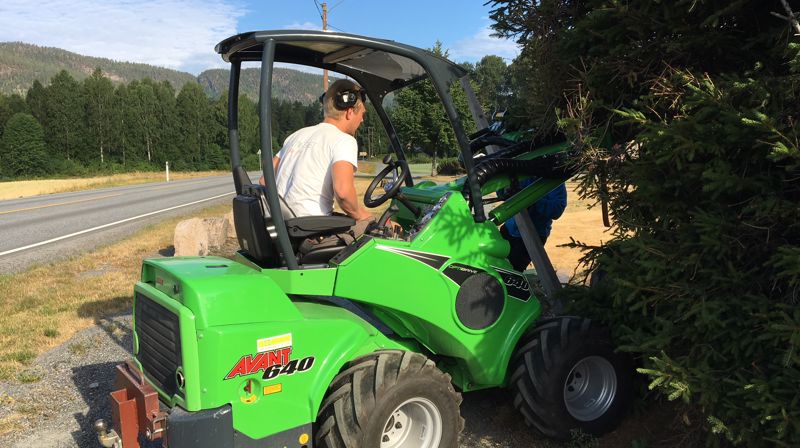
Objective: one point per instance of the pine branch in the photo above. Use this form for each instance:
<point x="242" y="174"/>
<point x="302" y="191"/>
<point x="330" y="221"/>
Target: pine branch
<point x="790" y="16"/>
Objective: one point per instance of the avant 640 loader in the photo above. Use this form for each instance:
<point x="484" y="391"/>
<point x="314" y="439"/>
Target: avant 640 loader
<point x="368" y="344"/>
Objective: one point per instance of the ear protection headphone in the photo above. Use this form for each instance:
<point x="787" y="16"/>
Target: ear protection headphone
<point x="346" y="99"/>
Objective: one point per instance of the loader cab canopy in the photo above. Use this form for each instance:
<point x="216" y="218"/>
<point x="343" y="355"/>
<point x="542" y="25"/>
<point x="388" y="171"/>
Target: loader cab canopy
<point x="379" y="66"/>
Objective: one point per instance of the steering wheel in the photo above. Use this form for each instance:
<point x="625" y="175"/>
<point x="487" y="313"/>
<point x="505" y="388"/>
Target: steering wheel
<point x="394" y="187"/>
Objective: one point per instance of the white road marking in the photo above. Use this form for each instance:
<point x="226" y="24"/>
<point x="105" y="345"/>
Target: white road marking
<point x="41" y="243"/>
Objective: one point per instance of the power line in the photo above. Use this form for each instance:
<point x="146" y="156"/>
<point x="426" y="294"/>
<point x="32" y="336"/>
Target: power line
<point x="337" y="4"/>
<point x="336" y="28"/>
<point x="316" y="3"/>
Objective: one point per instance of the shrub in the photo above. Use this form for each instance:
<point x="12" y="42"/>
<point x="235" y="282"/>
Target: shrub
<point x="699" y="101"/>
<point x="419" y="157"/>
<point x="22" y="149"/>
<point x="449" y="167"/>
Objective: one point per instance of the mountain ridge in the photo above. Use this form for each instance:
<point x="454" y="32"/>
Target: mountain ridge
<point x="22" y="63"/>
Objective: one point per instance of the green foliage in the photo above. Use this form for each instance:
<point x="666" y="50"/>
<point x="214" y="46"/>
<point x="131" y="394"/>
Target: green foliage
<point x="90" y="127"/>
<point x="491" y="76"/>
<point x="421" y="122"/>
<point x="449" y="167"/>
<point x="99" y="96"/>
<point x="699" y="103"/>
<point x="22" y="148"/>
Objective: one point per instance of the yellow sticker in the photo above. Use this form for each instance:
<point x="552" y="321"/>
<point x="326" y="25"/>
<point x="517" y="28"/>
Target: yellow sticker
<point x="273" y="389"/>
<point x="274" y="343"/>
<point x="248" y="400"/>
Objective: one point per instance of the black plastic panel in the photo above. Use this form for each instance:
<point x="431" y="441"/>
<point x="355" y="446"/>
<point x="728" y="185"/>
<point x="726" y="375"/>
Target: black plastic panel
<point x="158" y="331"/>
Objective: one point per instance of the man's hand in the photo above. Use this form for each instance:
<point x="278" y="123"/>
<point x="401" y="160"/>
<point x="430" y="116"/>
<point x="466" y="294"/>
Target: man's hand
<point x="393" y="225"/>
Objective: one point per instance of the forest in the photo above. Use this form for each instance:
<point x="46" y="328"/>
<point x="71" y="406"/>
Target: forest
<point x="78" y="128"/>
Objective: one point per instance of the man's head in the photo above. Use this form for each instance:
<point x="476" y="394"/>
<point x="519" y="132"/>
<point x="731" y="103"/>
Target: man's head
<point x="343" y="105"/>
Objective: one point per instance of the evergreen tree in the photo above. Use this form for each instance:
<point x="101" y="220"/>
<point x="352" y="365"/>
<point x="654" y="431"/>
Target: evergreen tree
<point x="22" y="149"/>
<point x="99" y="116"/>
<point x="10" y="105"/>
<point x="420" y="119"/>
<point x="141" y="109"/>
<point x="64" y="111"/>
<point x="686" y="113"/>
<point x="195" y="115"/>
<point x="36" y="99"/>
<point x="490" y="75"/>
<point x="121" y="134"/>
<point x="166" y="135"/>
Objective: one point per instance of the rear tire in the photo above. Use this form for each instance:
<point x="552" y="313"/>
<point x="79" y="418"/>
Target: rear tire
<point x="390" y="399"/>
<point x="566" y="377"/>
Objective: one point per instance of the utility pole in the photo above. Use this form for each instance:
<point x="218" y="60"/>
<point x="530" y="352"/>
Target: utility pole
<point x="324" y="28"/>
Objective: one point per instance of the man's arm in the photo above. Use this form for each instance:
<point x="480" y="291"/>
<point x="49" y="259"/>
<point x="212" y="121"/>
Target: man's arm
<point x="344" y="188"/>
<point x="275" y="161"/>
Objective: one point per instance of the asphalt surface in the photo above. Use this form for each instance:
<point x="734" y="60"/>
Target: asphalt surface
<point x="49" y="228"/>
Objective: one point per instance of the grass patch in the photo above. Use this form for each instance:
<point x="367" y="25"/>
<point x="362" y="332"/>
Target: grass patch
<point x="10" y="424"/>
<point x="28" y="377"/>
<point x="79" y="348"/>
<point x="70" y="301"/>
<point x="23" y="357"/>
<point x="25" y="188"/>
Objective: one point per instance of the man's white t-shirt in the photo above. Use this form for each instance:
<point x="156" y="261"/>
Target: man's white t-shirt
<point x="304" y="178"/>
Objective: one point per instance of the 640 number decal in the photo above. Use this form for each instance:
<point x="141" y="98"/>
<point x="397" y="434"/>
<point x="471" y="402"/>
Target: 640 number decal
<point x="292" y="367"/>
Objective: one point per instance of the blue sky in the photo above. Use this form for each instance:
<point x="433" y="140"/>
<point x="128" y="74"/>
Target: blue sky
<point x="181" y="34"/>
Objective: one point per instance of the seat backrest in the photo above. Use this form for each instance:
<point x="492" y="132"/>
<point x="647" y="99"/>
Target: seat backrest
<point x="252" y="230"/>
<point x="255" y="228"/>
<point x="240" y="179"/>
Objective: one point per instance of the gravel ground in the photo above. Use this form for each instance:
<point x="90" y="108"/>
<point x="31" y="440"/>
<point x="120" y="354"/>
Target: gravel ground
<point x="76" y="378"/>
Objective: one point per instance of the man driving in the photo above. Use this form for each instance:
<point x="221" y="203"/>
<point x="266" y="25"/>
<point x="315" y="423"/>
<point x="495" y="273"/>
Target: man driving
<point x="317" y="164"/>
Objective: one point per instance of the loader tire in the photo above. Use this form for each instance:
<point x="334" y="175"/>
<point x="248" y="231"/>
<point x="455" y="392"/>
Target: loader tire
<point x="565" y="376"/>
<point x="391" y="399"/>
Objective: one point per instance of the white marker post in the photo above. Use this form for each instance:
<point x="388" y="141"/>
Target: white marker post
<point x="167" y="171"/>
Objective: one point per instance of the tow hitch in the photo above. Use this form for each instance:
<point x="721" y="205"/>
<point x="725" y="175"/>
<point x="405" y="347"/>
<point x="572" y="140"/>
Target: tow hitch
<point x="134" y="409"/>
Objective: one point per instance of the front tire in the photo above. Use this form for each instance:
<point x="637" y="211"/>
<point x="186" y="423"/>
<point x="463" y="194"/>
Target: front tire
<point x="390" y="399"/>
<point x="566" y="377"/>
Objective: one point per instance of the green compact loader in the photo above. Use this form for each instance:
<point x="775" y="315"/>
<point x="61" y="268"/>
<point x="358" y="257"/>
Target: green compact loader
<point x="368" y="344"/>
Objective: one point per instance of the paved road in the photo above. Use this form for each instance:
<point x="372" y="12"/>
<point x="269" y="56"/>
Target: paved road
<point x="47" y="228"/>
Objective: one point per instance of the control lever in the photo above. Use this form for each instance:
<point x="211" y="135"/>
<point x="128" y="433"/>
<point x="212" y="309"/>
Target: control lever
<point x="409" y="205"/>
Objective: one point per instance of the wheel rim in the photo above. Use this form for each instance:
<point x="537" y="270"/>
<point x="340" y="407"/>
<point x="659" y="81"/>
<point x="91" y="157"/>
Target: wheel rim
<point x="590" y="388"/>
<point x="416" y="423"/>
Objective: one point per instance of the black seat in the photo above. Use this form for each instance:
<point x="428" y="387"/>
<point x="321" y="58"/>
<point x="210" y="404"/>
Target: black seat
<point x="257" y="237"/>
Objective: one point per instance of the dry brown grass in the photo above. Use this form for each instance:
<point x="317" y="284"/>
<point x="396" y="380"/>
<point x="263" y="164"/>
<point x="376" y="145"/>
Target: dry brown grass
<point x="580" y="222"/>
<point x="44" y="306"/>
<point x="26" y="188"/>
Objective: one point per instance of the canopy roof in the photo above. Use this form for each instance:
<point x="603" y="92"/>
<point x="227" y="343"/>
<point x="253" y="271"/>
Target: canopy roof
<point x="374" y="63"/>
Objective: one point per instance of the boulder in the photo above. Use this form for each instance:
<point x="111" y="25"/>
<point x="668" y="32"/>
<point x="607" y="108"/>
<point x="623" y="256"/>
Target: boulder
<point x="231" y="224"/>
<point x="197" y="236"/>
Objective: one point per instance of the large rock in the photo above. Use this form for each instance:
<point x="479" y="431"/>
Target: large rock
<point x="197" y="236"/>
<point x="231" y="224"/>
